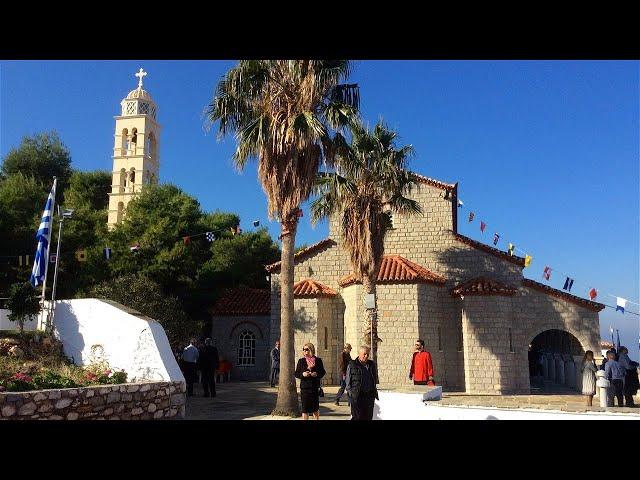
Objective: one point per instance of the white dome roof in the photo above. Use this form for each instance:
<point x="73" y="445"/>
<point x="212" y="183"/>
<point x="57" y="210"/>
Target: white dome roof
<point x="139" y="93"/>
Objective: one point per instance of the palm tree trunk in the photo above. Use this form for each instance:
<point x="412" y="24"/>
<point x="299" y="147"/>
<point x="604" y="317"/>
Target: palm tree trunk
<point x="370" y="318"/>
<point x="287" y="402"/>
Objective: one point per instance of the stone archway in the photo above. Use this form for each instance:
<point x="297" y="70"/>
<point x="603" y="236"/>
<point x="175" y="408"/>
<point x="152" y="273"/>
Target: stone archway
<point x="555" y="356"/>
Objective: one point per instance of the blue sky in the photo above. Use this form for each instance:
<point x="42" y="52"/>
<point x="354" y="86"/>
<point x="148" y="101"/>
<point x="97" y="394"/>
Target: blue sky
<point x="545" y="152"/>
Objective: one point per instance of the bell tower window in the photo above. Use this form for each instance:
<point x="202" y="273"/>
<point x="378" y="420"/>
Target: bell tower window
<point x="120" y="211"/>
<point x="123" y="142"/>
<point x="123" y="179"/>
<point x="131" y="108"/>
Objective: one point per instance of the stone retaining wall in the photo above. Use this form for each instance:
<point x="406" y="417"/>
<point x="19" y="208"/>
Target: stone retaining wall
<point x="133" y="401"/>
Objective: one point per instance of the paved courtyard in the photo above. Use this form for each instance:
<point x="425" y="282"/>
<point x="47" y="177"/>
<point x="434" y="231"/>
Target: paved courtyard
<point x="255" y="400"/>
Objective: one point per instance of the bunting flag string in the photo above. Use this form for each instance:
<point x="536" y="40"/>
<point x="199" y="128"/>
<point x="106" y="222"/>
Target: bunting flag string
<point x="591" y="291"/>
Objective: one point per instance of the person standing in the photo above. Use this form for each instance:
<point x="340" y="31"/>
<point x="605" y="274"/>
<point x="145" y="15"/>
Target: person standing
<point x="631" y="377"/>
<point x="345" y="358"/>
<point x="421" y="371"/>
<point x="310" y="370"/>
<point x="615" y="373"/>
<point x="208" y="362"/>
<point x="190" y="361"/>
<point x="589" y="370"/>
<point x="275" y="363"/>
<point x="361" y="380"/>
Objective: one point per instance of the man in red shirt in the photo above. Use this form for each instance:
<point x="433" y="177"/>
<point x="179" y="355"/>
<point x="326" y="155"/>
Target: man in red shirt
<point x="421" y="366"/>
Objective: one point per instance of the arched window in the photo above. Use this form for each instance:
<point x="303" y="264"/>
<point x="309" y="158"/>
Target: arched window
<point x="151" y="151"/>
<point x="132" y="177"/>
<point x="123" y="179"/>
<point x="124" y="141"/>
<point x="134" y="140"/>
<point x="247" y="349"/>
<point x="120" y="211"/>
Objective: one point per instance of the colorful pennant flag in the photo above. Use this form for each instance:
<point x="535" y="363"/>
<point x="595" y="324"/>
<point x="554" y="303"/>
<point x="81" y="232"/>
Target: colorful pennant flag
<point x="210" y="236"/>
<point x="621" y="303"/>
<point x="81" y="255"/>
<point x="568" y="283"/>
<point x="496" y="237"/>
<point x="186" y="240"/>
<point x="511" y="248"/>
<point x="107" y="253"/>
<point x="299" y="213"/>
<point x="527" y="260"/>
<point x="460" y="203"/>
<point x="482" y="226"/>
<point x="134" y="248"/>
<point x="256" y="223"/>
<point x="593" y="293"/>
<point x="547" y="273"/>
<point x="471" y="215"/>
<point x="23" y="260"/>
<point x="52" y="258"/>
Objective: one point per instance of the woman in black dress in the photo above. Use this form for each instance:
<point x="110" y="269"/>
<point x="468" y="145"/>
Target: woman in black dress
<point x="310" y="370"/>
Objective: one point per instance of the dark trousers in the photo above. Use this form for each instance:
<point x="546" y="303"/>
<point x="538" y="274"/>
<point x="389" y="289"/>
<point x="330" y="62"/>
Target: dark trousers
<point x="190" y="375"/>
<point x="274" y="374"/>
<point x="362" y="407"/>
<point x="209" y="383"/>
<point x="343" y="385"/>
<point x="615" y="390"/>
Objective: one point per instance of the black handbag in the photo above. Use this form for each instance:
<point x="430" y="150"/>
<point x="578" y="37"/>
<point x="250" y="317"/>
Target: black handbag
<point x="320" y="392"/>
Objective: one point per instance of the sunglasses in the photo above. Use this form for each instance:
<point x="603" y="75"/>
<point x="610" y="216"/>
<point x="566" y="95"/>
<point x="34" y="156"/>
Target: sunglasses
<point x="305" y="350"/>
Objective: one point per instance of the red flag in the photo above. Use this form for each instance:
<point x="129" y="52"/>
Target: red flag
<point x="593" y="293"/>
<point x="482" y="226"/>
<point x="547" y="273"/>
<point x="186" y="240"/>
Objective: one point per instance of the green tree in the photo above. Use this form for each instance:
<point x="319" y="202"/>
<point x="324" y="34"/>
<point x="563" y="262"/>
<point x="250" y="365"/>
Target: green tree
<point x="143" y="294"/>
<point x="42" y="157"/>
<point x="370" y="180"/>
<point x="281" y="112"/>
<point x="89" y="190"/>
<point x="21" y="202"/>
<point x="23" y="303"/>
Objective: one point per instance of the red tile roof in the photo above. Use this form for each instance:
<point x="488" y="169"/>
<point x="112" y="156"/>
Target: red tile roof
<point x="434" y="183"/>
<point x="593" y="306"/>
<point x="308" y="288"/>
<point x="243" y="301"/>
<point x="482" y="286"/>
<point x="486" y="248"/>
<point x="303" y="254"/>
<point x="396" y="269"/>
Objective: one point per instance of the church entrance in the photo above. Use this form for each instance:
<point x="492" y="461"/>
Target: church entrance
<point x="555" y="362"/>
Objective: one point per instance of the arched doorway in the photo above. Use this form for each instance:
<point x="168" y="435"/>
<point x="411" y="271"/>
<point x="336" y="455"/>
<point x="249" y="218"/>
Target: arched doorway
<point x="554" y="361"/>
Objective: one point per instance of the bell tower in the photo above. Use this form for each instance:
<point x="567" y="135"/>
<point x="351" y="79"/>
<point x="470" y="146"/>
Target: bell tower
<point x="136" y="158"/>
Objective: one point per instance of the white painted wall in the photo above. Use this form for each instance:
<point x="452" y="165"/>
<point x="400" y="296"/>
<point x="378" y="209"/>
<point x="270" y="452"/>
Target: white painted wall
<point x="6" y="324"/>
<point x="409" y="406"/>
<point x="129" y="340"/>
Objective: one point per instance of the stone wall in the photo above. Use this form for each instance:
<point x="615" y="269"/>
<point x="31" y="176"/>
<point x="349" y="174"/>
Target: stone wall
<point x="133" y="401"/>
<point x="225" y="332"/>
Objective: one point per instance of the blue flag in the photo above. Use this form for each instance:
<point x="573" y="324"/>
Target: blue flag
<point x="43" y="235"/>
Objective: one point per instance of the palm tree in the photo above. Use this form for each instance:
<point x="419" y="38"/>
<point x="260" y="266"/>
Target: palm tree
<point x="369" y="181"/>
<point x="283" y="113"/>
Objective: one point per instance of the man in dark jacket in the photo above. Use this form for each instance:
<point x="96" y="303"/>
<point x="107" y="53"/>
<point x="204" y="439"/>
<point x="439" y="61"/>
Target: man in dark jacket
<point x="208" y="362"/>
<point x="345" y="359"/>
<point x="275" y="363"/>
<point x="361" y="381"/>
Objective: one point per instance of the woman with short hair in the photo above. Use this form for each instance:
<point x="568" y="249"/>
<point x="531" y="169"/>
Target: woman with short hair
<point x="589" y="370"/>
<point x="310" y="370"/>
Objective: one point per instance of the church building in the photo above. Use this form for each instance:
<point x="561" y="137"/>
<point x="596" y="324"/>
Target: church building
<point x="136" y="158"/>
<point x="479" y="317"/>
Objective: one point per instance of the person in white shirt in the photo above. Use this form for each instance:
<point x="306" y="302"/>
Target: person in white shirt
<point x="189" y="365"/>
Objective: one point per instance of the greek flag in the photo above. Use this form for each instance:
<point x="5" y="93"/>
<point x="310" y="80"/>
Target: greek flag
<point x="43" y="236"/>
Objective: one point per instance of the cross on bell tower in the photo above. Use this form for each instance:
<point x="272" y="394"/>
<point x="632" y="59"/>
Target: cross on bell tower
<point x="136" y="159"/>
<point x="141" y="73"/>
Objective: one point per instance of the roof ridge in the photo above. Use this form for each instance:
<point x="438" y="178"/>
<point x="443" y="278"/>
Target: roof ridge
<point x="305" y="251"/>
<point x="595" y="306"/>
<point x="488" y="249"/>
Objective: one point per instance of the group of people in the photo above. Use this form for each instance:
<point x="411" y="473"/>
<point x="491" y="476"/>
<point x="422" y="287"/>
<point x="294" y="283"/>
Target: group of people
<point x="359" y="378"/>
<point x="620" y="370"/>
<point x="201" y="357"/>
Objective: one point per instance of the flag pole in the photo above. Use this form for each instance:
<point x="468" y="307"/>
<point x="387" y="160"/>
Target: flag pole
<point x="55" y="273"/>
<point x="46" y="266"/>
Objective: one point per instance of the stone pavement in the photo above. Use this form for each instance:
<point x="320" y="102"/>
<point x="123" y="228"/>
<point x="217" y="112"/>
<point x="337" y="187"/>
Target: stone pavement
<point x="255" y="400"/>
